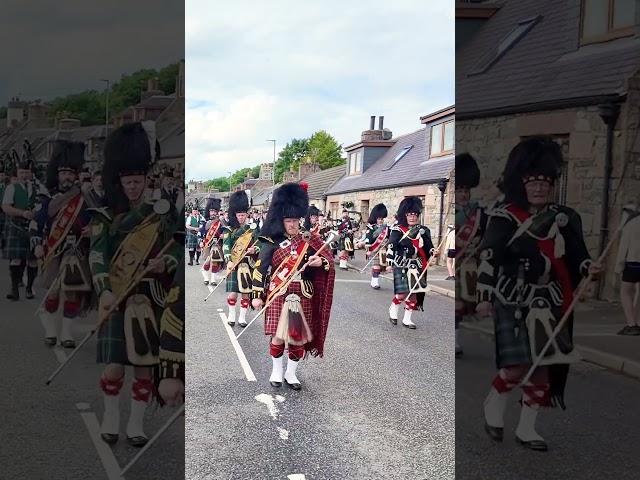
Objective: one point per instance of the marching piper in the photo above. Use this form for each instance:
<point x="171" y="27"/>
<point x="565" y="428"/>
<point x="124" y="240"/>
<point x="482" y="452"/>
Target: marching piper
<point x="297" y="316"/>
<point x="375" y="241"/>
<point x="64" y="223"/>
<point x="471" y="221"/>
<point x="18" y="204"/>
<point x="532" y="257"/>
<point x="127" y="237"/>
<point x="346" y="228"/>
<point x="211" y="247"/>
<point x="192" y="225"/>
<point x="409" y="250"/>
<point x="312" y="220"/>
<point x="240" y="247"/>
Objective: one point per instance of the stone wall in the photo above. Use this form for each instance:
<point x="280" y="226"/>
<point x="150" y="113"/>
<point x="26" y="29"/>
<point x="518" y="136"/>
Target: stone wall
<point x="430" y="195"/>
<point x="582" y="134"/>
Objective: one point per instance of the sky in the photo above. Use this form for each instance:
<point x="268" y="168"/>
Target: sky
<point x="56" y="48"/>
<point x="285" y="69"/>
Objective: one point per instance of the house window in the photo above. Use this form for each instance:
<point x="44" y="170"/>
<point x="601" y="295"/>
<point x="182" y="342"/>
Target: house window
<point x="334" y="210"/>
<point x="442" y="138"/>
<point x="355" y="163"/>
<point x="398" y="157"/>
<point x="604" y="20"/>
<point x="364" y="209"/>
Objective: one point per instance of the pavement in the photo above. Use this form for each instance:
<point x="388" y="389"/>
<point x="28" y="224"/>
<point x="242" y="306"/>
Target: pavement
<point x="378" y="405"/>
<point x="595" y="438"/>
<point x="52" y="432"/>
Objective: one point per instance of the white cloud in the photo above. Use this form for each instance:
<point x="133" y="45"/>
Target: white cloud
<point x="285" y="69"/>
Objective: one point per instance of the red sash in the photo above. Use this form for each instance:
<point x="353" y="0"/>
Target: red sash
<point x="379" y="241"/>
<point x="416" y="244"/>
<point x="62" y="224"/>
<point x="213" y="229"/>
<point x="287" y="268"/>
<point x="558" y="265"/>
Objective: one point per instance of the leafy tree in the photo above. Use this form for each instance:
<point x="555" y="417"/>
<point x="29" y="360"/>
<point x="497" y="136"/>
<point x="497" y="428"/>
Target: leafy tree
<point x="290" y="156"/>
<point x="325" y="150"/>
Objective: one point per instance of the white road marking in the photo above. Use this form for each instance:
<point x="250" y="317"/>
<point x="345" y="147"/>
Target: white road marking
<point x="268" y="400"/>
<point x="284" y="434"/>
<point x="239" y="352"/>
<point x="104" y="451"/>
<point x="346" y="280"/>
<point x="296" y="476"/>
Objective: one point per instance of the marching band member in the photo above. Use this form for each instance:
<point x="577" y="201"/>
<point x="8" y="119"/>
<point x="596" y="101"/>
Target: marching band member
<point x="409" y="250"/>
<point x="375" y="241"/>
<point x="239" y="246"/>
<point x="126" y="238"/>
<point x="192" y="225"/>
<point x="211" y="248"/>
<point x="346" y="227"/>
<point x="312" y="220"/>
<point x="532" y="257"/>
<point x="297" y="316"/>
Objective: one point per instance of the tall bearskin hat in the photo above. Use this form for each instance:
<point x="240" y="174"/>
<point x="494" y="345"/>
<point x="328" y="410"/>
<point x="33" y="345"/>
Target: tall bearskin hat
<point x="312" y="211"/>
<point x="535" y="158"/>
<point x="127" y="152"/>
<point x="378" y="211"/>
<point x="212" y="204"/>
<point x="467" y="171"/>
<point x="238" y="203"/>
<point x="67" y="156"/>
<point x="289" y="201"/>
<point x="408" y="205"/>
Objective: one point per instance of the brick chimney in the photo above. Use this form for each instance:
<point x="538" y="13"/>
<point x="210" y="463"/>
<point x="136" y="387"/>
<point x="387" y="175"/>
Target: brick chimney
<point x="290" y="176"/>
<point x="307" y="169"/>
<point x="376" y="135"/>
<point x="37" y="113"/>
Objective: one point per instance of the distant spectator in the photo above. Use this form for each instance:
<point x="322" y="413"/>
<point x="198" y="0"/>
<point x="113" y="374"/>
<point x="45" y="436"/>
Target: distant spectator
<point x="628" y="263"/>
<point x="450" y="247"/>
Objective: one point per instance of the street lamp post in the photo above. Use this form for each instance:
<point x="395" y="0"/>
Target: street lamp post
<point x="442" y="186"/>
<point x="274" y="161"/>
<point x="106" y="112"/>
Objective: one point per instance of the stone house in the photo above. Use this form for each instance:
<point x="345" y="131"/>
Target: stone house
<point x="553" y="68"/>
<point x="385" y="169"/>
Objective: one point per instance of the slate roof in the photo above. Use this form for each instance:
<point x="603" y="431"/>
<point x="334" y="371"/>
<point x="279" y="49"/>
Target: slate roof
<point x="320" y="182"/>
<point x="546" y="65"/>
<point x="413" y="169"/>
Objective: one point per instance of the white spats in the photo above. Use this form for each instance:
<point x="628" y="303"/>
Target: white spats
<point x="50" y="324"/>
<point x="290" y="374"/>
<point x="65" y="331"/>
<point x="393" y="311"/>
<point x="270" y="402"/>
<point x="526" y="430"/>
<point x="406" y="320"/>
<point x="375" y="282"/>
<point x="494" y="407"/>
<point x="231" y="316"/>
<point x="277" y="372"/>
<point x="111" y="418"/>
<point x="343" y="264"/>
<point x="136" y="419"/>
<point x="242" y="318"/>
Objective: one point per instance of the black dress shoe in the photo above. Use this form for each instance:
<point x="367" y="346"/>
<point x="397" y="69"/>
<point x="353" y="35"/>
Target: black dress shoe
<point x="496" y="433"/>
<point x="377" y="287"/>
<point x="137" y="442"/>
<point x="51" y="341"/>
<point x="68" y="344"/>
<point x="537" y="445"/>
<point x="394" y="321"/>
<point x="293" y="386"/>
<point x="410" y="327"/>
<point x="109" y="438"/>
<point x="275" y="384"/>
<point x="29" y="294"/>
<point x="190" y="263"/>
<point x="206" y="282"/>
<point x="231" y="324"/>
<point x="13" y="296"/>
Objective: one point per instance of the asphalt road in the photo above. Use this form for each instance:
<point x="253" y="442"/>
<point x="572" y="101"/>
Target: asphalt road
<point x="379" y="405"/>
<point x="52" y="431"/>
<point x="595" y="438"/>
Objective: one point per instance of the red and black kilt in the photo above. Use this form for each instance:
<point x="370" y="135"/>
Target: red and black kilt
<point x="275" y="309"/>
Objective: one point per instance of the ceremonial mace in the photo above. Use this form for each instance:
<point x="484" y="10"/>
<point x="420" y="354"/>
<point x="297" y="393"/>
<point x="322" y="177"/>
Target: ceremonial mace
<point x="169" y="422"/>
<point x="285" y="285"/>
<point x="113" y="308"/>
<point x="229" y="271"/>
<point x="628" y="213"/>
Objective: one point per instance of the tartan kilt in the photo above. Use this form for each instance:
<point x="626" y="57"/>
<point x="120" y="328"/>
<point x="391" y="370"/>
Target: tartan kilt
<point x="17" y="240"/>
<point x="400" y="280"/>
<point x="272" y="316"/>
<point x="112" y="344"/>
<point x="192" y="241"/>
<point x="231" y="284"/>
<point x="511" y="349"/>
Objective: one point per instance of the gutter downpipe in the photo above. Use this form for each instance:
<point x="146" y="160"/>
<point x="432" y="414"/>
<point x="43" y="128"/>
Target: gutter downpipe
<point x="609" y="113"/>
